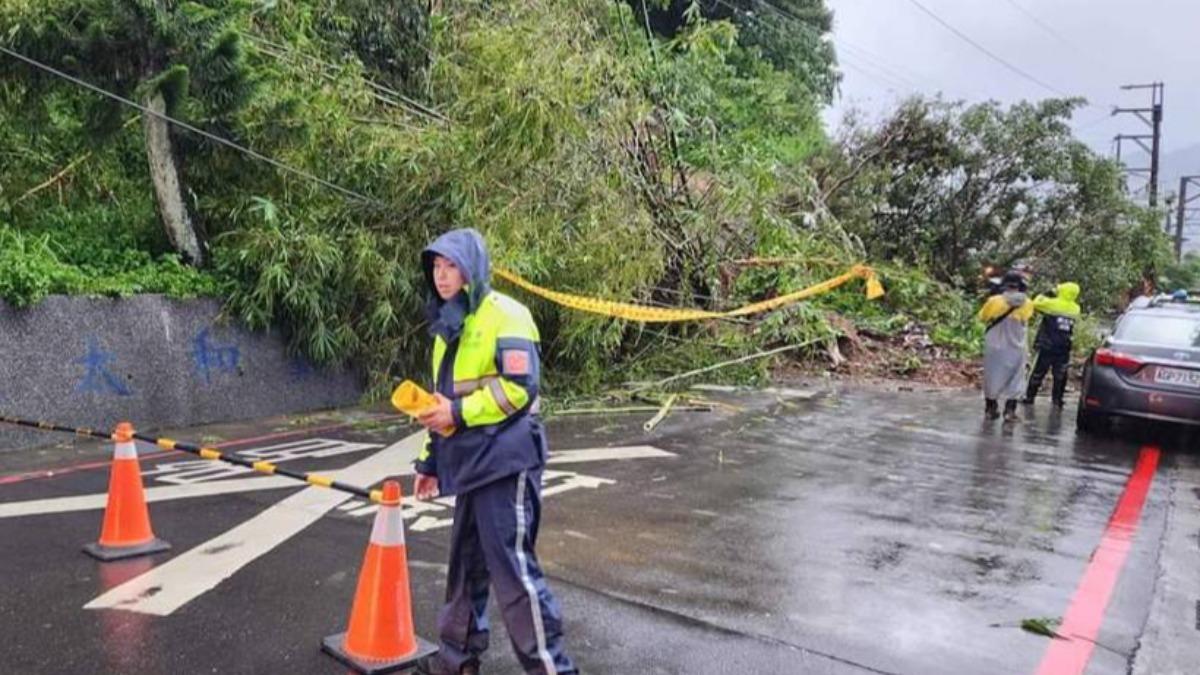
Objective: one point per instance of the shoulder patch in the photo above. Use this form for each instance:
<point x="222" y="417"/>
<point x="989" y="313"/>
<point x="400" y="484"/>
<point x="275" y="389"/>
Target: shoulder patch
<point x="515" y="362"/>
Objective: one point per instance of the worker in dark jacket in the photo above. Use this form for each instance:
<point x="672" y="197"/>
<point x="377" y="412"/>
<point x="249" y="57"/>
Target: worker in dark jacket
<point x="1054" y="341"/>
<point x="485" y="373"/>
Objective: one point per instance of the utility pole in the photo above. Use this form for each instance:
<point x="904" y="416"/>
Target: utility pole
<point x="1153" y="117"/>
<point x="1181" y="214"/>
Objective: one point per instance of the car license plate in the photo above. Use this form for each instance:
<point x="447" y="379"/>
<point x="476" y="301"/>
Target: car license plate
<point x="1177" y="377"/>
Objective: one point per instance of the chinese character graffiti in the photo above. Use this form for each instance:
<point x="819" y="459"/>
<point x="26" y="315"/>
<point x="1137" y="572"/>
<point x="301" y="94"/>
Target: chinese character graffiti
<point x="209" y="356"/>
<point x="97" y="379"/>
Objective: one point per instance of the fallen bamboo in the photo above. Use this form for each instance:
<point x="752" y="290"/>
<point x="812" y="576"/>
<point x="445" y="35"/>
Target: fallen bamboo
<point x="628" y="410"/>
<point x="724" y="364"/>
<point x="661" y="414"/>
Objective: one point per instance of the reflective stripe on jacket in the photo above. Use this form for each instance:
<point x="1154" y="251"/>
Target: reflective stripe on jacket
<point x="485" y="360"/>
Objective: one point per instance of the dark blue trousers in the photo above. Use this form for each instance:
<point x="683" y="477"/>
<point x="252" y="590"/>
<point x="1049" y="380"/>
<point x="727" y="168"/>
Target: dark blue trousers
<point x="495" y="528"/>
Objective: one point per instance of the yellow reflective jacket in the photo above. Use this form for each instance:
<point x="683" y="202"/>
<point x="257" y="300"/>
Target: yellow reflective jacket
<point x="996" y="307"/>
<point x="1063" y="304"/>
<point x="486" y="361"/>
<point x="1059" y="314"/>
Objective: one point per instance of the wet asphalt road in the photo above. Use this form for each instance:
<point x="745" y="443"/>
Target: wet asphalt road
<point x="861" y="531"/>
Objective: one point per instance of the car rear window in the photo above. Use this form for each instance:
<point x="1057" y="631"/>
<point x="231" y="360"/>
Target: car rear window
<point x="1166" y="330"/>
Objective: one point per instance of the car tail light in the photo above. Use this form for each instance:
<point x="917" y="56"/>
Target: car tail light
<point x="1107" y="357"/>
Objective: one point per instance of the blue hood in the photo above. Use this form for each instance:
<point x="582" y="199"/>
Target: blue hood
<point x="466" y="249"/>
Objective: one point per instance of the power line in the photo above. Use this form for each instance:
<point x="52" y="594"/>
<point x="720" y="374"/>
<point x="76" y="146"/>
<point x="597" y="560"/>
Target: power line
<point x="196" y="130"/>
<point x="1044" y="26"/>
<point x="984" y="50"/>
<point x="380" y="92"/>
<point x="803" y="25"/>
<point x="860" y="54"/>
<point x="1049" y="30"/>
<point x="866" y="55"/>
<point x="885" y="76"/>
<point x="882" y="79"/>
<point x="1092" y="123"/>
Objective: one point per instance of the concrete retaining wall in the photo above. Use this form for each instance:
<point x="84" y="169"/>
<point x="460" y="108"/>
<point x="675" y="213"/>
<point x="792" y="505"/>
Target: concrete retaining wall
<point x="151" y="360"/>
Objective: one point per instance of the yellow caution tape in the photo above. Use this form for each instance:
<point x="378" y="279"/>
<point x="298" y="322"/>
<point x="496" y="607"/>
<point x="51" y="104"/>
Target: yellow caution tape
<point x="642" y="313"/>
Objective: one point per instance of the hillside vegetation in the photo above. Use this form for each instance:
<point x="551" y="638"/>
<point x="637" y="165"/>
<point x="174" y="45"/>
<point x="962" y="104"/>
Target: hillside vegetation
<point x="671" y="154"/>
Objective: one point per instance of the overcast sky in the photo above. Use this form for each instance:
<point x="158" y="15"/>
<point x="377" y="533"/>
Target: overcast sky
<point x="890" y="48"/>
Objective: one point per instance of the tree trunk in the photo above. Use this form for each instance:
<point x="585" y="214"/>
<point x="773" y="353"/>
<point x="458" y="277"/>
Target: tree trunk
<point x="168" y="188"/>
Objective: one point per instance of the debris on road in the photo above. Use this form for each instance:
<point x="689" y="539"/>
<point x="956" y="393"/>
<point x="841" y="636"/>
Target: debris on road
<point x="1043" y="626"/>
<point x="661" y="414"/>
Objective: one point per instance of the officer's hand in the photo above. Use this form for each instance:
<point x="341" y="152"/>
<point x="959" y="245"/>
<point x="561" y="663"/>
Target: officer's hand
<point x="438" y="416"/>
<point x="426" y="487"/>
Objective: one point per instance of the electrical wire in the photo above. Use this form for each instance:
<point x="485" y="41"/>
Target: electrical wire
<point x="985" y="51"/>
<point x="1047" y="28"/>
<point x="196" y="130"/>
<point x="883" y="76"/>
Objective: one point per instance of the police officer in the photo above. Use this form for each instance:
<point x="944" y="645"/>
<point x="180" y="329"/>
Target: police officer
<point x="1054" y="341"/>
<point x="485" y="372"/>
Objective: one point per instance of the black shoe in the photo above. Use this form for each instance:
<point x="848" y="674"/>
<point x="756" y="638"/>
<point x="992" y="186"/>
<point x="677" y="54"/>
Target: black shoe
<point x="1010" y="411"/>
<point x="434" y="665"/>
<point x="1028" y="400"/>
<point x="991" y="410"/>
<point x="1059" y="403"/>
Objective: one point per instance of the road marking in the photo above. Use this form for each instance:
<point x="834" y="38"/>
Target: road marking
<point x="153" y="494"/>
<point x="607" y="454"/>
<point x="173" y="584"/>
<point x="84" y="466"/>
<point x="204" y="471"/>
<point x="200" y="478"/>
<point x="571" y="481"/>
<point x="1081" y="624"/>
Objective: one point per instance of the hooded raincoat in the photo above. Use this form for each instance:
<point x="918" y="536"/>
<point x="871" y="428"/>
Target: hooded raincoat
<point x="485" y="360"/>
<point x="1004" y="355"/>
<point x="1060" y="313"/>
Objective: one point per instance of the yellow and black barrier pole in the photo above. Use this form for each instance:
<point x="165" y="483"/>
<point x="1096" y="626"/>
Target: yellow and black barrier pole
<point x="269" y="468"/>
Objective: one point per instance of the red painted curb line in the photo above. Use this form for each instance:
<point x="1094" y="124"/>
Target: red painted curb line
<point x="1081" y="624"/>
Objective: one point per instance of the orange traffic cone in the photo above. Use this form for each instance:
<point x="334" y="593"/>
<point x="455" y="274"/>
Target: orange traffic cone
<point x="381" y="637"/>
<point x="126" y="532"/>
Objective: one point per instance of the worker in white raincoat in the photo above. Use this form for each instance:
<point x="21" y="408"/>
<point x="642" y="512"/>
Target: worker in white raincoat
<point x="1007" y="317"/>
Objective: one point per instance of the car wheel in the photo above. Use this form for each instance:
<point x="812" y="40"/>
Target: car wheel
<point x="1089" y="422"/>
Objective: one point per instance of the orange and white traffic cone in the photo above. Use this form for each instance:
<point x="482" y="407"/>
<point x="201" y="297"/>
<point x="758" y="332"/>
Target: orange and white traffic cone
<point x="381" y="637"/>
<point x="126" y="532"/>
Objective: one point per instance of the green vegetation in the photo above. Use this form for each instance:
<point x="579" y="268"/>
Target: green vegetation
<point x="1185" y="274"/>
<point x="33" y="266"/>
<point x="596" y="158"/>
<point x="954" y="189"/>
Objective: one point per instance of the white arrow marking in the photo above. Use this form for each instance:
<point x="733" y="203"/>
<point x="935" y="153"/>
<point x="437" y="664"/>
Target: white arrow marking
<point x="607" y="454"/>
<point x="173" y="584"/>
<point x="572" y="481"/>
